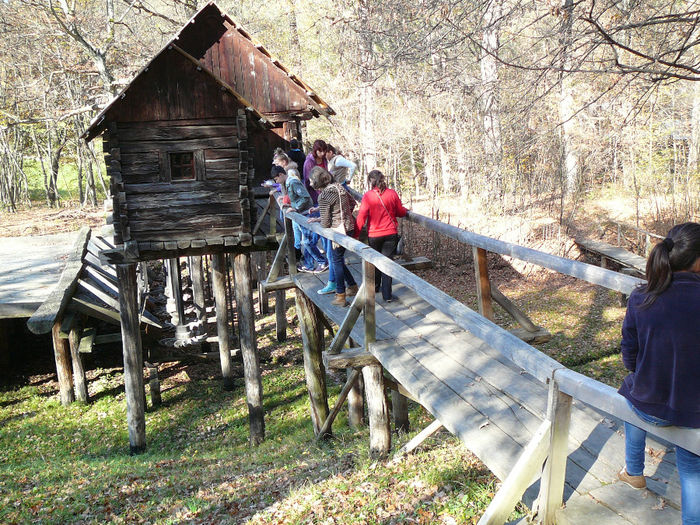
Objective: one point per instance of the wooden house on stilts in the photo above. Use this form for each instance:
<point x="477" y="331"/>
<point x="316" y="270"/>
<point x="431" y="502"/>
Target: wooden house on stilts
<point x="185" y="144"/>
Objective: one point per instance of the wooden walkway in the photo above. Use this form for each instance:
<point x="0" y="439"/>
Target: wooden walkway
<point x="29" y="270"/>
<point x="614" y="253"/>
<point x="463" y="382"/>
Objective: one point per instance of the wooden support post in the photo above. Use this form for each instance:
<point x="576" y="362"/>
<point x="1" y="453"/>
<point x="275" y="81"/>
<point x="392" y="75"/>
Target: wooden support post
<point x="246" y="333"/>
<point x="483" y="285"/>
<point x="154" y="385"/>
<point x="377" y="406"/>
<point x="326" y="428"/>
<point x="356" y="397"/>
<point x="133" y="357"/>
<point x="399" y="408"/>
<point x="178" y="317"/>
<point x="197" y="276"/>
<point x="312" y="338"/>
<point x="349" y="321"/>
<point x="218" y="278"/>
<point x="61" y="353"/>
<point x="278" y="261"/>
<point x="291" y="254"/>
<point x="281" y="314"/>
<point x="552" y="487"/>
<point x="260" y="263"/>
<point x="525" y="471"/>
<point x="79" y="381"/>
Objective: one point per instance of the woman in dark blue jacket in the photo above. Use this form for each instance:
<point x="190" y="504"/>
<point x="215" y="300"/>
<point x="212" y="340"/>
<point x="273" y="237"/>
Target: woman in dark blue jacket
<point x="661" y="348"/>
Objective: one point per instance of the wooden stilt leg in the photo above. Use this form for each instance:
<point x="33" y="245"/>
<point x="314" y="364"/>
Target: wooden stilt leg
<point x="197" y="276"/>
<point x="133" y="357"/>
<point x="154" y="385"/>
<point x="218" y="269"/>
<point x="79" y="382"/>
<point x="312" y="337"/>
<point x="246" y="333"/>
<point x="281" y="315"/>
<point x="399" y="406"/>
<point x="483" y="285"/>
<point x="61" y="353"/>
<point x="356" y="402"/>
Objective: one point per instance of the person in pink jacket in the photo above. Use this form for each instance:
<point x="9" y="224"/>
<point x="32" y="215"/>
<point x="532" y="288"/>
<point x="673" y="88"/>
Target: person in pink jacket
<point x="381" y="206"/>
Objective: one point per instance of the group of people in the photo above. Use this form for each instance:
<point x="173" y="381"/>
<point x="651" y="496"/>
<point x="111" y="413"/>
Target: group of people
<point x="320" y="192"/>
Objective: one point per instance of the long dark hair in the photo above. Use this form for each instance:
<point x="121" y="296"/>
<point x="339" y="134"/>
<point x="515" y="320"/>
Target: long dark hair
<point x="676" y="253"/>
<point x="376" y="180"/>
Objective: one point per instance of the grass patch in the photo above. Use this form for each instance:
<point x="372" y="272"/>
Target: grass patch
<point x="71" y="464"/>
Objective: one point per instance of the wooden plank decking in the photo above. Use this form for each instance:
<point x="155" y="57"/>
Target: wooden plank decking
<point x="29" y="270"/>
<point x="614" y="253"/>
<point x="494" y="408"/>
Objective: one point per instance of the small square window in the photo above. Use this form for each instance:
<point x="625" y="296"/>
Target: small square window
<point x="182" y="166"/>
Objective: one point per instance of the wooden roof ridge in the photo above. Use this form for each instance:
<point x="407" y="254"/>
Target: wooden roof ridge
<point x="323" y="106"/>
<point x="96" y="124"/>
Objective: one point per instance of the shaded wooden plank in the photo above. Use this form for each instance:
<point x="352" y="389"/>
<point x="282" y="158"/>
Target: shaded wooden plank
<point x="42" y="321"/>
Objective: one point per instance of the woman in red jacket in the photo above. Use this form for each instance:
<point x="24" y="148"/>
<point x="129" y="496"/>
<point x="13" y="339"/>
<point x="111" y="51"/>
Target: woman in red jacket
<point x="381" y="206"/>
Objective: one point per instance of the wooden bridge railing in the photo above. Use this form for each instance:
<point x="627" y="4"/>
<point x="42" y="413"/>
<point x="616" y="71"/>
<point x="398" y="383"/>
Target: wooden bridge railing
<point x="550" y="440"/>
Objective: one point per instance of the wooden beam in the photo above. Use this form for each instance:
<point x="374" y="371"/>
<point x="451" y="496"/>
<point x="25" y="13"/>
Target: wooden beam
<point x="552" y="486"/>
<point x="348" y="323"/>
<point x="133" y="357"/>
<point x="218" y="278"/>
<point x="285" y="283"/>
<point x="62" y="356"/>
<point x="278" y="260"/>
<point x="43" y="320"/>
<point x="79" y="381"/>
<point x="525" y="471"/>
<point x="326" y="428"/>
<point x="418" y="439"/>
<point x="515" y="312"/>
<point x="312" y="340"/>
<point x="483" y="285"/>
<point x="87" y="340"/>
<point x="349" y="358"/>
<point x="246" y="334"/>
<point x="281" y="315"/>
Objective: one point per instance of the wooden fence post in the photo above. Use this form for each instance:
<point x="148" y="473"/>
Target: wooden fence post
<point x="133" y="357"/>
<point x="483" y="285"/>
<point x="181" y="332"/>
<point x="218" y="267"/>
<point x="312" y="338"/>
<point x="377" y="406"/>
<point x="81" y="392"/>
<point x="246" y="333"/>
<point x="552" y="486"/>
<point x="356" y="402"/>
<point x="198" y="301"/>
<point x="61" y="353"/>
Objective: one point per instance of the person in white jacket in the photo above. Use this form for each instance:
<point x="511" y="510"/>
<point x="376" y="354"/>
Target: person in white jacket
<point x="339" y="167"/>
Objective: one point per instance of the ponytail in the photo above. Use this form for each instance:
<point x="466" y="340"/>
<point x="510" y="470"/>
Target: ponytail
<point x="376" y="180"/>
<point x="677" y="252"/>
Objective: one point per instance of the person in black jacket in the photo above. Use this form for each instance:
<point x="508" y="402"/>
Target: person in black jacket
<point x="661" y="349"/>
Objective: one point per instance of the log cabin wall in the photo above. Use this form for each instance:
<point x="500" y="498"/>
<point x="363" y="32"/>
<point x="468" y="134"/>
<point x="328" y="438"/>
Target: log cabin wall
<point x="179" y="180"/>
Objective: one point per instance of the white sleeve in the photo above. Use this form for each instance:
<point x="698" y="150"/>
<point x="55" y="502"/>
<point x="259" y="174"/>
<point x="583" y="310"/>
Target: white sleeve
<point x="342" y="162"/>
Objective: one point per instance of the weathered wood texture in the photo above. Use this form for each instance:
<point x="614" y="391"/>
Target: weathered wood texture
<point x="246" y="333"/>
<point x="218" y="271"/>
<point x="281" y="315"/>
<point x="43" y="320"/>
<point x="377" y="411"/>
<point x="615" y="253"/>
<point x="79" y="380"/>
<point x="312" y="340"/>
<point x="64" y="372"/>
<point x="133" y="357"/>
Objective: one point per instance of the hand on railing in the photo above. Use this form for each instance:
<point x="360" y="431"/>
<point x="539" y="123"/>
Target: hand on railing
<point x="314" y="219"/>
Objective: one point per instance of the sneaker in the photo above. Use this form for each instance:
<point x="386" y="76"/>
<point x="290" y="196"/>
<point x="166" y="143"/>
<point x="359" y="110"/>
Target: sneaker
<point x="302" y="268"/>
<point x="328" y="289"/>
<point x="636" y="482"/>
<point x="321" y="267"/>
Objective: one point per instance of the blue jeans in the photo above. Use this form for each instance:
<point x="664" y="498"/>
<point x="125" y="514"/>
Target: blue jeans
<point x="341" y="273"/>
<point x="303" y="240"/>
<point x="688" y="465"/>
<point x="328" y="248"/>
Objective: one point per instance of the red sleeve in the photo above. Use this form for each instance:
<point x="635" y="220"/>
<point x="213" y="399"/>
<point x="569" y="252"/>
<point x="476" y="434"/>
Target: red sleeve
<point x="362" y="215"/>
<point x="400" y="210"/>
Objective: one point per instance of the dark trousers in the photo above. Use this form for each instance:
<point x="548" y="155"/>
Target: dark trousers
<point x="341" y="272"/>
<point x="385" y="245"/>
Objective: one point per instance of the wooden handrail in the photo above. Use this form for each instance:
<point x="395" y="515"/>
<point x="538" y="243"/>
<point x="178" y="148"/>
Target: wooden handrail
<point x="522" y="354"/>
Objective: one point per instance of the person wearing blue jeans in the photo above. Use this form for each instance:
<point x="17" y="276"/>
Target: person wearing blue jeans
<point x="660" y="336"/>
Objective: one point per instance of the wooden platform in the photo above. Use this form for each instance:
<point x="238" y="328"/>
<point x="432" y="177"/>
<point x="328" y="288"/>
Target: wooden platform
<point x="463" y="382"/>
<point x="614" y="253"/>
<point x="29" y="269"/>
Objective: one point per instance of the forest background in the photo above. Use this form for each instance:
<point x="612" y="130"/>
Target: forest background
<point x="506" y="103"/>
